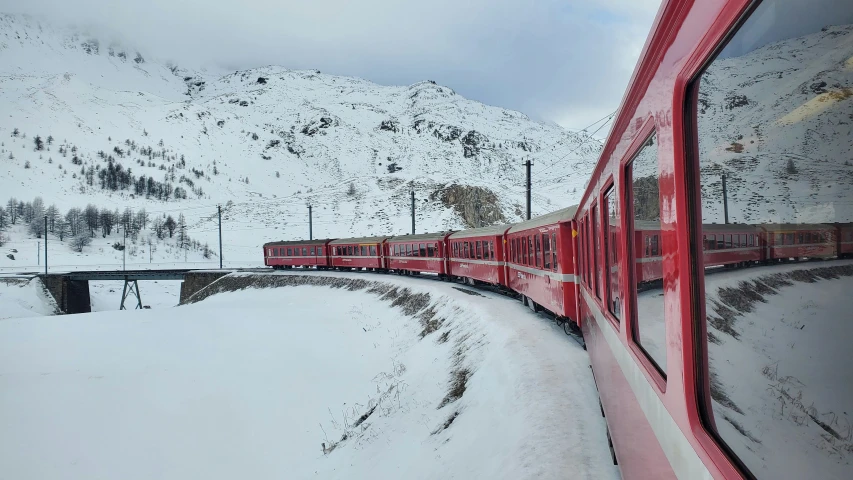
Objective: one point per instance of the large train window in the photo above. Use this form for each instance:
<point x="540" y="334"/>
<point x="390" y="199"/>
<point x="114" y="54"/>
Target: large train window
<point x="611" y="255"/>
<point x="649" y="326"/>
<point x="774" y="130"/>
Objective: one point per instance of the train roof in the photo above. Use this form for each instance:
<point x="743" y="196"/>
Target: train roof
<point x="420" y="236"/>
<point x="492" y="231"/>
<point x="559" y="216"/>
<point x="297" y="242"/>
<point x="348" y="241"/>
<point x="729" y="227"/>
<point x="795" y="226"/>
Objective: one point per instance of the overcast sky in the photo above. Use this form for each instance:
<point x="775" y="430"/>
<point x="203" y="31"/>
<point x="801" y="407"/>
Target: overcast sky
<point x="566" y="61"/>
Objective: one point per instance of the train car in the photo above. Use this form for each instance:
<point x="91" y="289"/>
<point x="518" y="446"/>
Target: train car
<point x="478" y="255"/>
<point x="690" y="371"/>
<point x="300" y="253"/>
<point x="359" y="253"/>
<point x="413" y="254"/>
<point x="732" y="244"/>
<point x="799" y="241"/>
<point x="844" y="236"/>
<point x="540" y="262"/>
<point x="648" y="262"/>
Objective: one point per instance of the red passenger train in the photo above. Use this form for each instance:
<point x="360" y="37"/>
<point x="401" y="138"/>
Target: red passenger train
<point x="745" y="374"/>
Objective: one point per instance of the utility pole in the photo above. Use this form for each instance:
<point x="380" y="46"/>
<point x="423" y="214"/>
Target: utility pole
<point x="219" y="210"/>
<point x="45" y="244"/>
<point x="413" y="212"/>
<point x="38" y="254"/>
<point x="528" y="164"/>
<point x="725" y="201"/>
<point x="310" y="225"/>
<point x="124" y="252"/>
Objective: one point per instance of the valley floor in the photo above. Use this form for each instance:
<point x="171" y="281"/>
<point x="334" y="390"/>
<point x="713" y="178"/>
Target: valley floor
<point x="367" y="376"/>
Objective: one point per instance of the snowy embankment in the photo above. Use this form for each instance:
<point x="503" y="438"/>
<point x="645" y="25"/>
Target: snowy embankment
<point x="398" y="377"/>
<point x="24" y="297"/>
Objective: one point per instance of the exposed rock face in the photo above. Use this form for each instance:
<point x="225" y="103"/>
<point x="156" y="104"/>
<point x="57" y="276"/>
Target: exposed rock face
<point x="318" y="125"/>
<point x="472" y="142"/>
<point x="477" y="206"/>
<point x="390" y="125"/>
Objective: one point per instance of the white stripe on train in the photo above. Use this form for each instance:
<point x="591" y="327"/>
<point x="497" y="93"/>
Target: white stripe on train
<point x="682" y="456"/>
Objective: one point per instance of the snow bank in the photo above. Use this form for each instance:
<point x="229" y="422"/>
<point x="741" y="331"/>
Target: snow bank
<point x="397" y="377"/>
<point x="24" y="297"/>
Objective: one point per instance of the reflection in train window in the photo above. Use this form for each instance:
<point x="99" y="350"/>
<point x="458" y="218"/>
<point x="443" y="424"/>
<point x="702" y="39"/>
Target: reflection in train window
<point x="774" y="115"/>
<point x="611" y="256"/>
<point x="643" y="179"/>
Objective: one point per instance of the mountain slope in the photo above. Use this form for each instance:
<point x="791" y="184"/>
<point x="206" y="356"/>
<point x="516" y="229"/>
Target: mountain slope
<point x="269" y="140"/>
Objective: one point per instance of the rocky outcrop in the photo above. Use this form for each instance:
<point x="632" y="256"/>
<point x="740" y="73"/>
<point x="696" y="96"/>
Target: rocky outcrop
<point x="477" y="206"/>
<point x="472" y="142"/>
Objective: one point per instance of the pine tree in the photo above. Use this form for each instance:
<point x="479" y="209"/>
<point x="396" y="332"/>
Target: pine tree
<point x="39" y="143"/>
<point x="170" y="225"/>
<point x="183" y="238"/>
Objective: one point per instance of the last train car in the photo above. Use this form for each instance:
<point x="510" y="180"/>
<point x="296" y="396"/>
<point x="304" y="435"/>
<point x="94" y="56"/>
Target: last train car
<point x="740" y="372"/>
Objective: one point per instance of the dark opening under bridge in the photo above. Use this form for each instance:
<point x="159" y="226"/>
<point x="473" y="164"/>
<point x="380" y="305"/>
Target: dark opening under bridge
<point x="71" y="289"/>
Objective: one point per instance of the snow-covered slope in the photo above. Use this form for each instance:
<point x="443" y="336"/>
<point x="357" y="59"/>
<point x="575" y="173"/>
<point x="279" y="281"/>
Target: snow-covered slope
<point x="777" y="121"/>
<point x="402" y="380"/>
<point x="268" y="140"/>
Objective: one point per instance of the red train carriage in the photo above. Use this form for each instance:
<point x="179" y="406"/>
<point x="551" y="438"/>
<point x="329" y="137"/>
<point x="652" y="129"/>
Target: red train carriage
<point x="540" y="263"/>
<point x="303" y="253"/>
<point x="358" y="253"/>
<point x="732" y="244"/>
<point x="648" y="262"/>
<point x="681" y="364"/>
<point x="797" y="241"/>
<point x="844" y="236"/>
<point x="478" y="254"/>
<point x="413" y="254"/>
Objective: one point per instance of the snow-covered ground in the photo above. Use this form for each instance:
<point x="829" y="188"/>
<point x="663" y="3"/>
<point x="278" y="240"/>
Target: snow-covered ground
<point x="24" y="297"/>
<point x="106" y="295"/>
<point x="780" y="363"/>
<point x="422" y="380"/>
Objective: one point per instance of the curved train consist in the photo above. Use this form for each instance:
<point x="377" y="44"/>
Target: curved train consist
<point x="741" y="374"/>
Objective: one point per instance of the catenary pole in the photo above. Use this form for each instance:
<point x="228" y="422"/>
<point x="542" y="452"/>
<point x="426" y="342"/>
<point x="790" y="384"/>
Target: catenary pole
<point x="45" y="244"/>
<point x="310" y="224"/>
<point x="725" y="201"/>
<point x="528" y="164"/>
<point x="219" y="210"/>
<point x="413" y="212"/>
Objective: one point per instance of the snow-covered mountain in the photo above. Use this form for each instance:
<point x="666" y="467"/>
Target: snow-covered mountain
<point x="264" y="143"/>
<point x="777" y="122"/>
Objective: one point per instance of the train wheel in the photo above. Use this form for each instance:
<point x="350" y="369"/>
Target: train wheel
<point x="532" y="305"/>
<point x="567" y="327"/>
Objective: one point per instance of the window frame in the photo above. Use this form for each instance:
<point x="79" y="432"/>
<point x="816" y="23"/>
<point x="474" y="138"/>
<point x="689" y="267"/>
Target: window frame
<point x="650" y="367"/>
<point x="611" y="194"/>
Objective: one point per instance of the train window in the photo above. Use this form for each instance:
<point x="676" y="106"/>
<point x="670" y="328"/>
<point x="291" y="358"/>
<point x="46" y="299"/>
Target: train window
<point x="649" y="330"/>
<point x="479" y="250"/>
<point x="611" y="253"/>
<point x="408" y="250"/>
<point x="492" y="249"/>
<point x="304" y="251"/>
<point x="312" y="251"/>
<point x="431" y="250"/>
<point x="422" y="250"/>
<point x="778" y="389"/>
<point x="530" y="253"/>
<point x="538" y="254"/>
<point x="596" y="249"/>
<point x="546" y="251"/>
<point x="554" y="251"/>
<point x="373" y="250"/>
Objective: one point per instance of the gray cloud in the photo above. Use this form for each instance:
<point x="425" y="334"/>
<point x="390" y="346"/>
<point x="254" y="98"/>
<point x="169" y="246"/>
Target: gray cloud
<point x="563" y="61"/>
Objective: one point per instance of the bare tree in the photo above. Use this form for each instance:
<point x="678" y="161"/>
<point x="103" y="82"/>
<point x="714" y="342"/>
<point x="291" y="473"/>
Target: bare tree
<point x="81" y="241"/>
